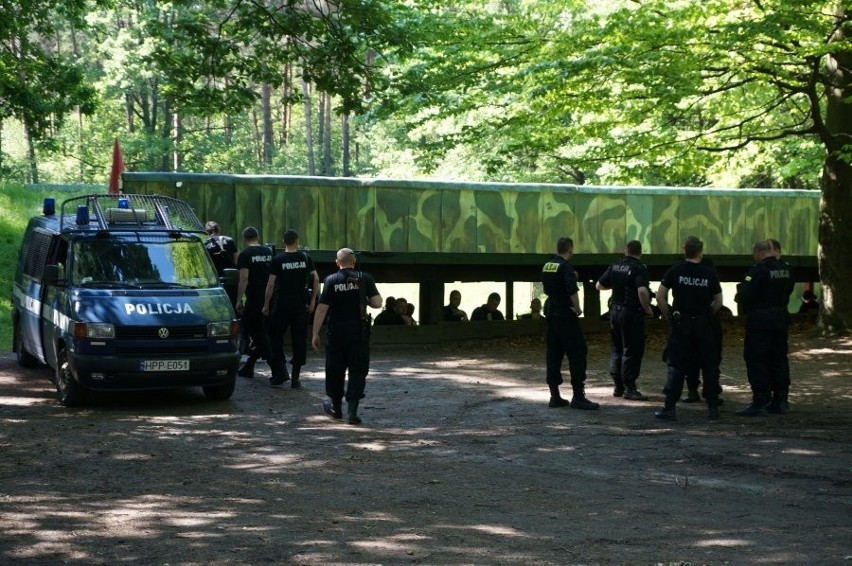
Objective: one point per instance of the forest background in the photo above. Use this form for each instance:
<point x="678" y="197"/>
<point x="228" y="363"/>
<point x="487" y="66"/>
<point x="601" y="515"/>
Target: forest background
<point x="719" y="93"/>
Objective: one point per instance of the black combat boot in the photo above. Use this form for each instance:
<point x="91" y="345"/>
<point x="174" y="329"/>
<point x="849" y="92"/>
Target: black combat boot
<point x="556" y="399"/>
<point x="757" y="407"/>
<point x="579" y="401"/>
<point x="712" y="409"/>
<point x="633" y="394"/>
<point x="279" y="378"/>
<point x="778" y="405"/>
<point x="667" y="413"/>
<point x="618" y="390"/>
<point x="248" y="368"/>
<point x="352" y="414"/>
<point x="295" y="383"/>
<point x="692" y="396"/>
<point x="333" y="408"/>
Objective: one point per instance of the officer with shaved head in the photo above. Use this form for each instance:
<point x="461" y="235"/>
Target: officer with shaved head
<point x="345" y="297"/>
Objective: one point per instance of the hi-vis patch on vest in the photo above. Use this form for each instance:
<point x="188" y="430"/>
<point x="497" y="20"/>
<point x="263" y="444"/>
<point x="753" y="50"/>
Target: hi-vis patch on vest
<point x="748" y="278"/>
<point x="550" y="267"/>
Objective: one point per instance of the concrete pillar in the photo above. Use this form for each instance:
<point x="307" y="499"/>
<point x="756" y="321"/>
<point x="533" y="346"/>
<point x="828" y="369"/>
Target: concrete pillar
<point x="431" y="302"/>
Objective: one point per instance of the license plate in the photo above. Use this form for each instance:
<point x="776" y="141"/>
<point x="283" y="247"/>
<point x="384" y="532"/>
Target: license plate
<point x="164" y="365"/>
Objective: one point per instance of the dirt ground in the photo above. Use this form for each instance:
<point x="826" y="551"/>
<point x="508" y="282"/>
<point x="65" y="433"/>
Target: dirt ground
<point x="459" y="461"/>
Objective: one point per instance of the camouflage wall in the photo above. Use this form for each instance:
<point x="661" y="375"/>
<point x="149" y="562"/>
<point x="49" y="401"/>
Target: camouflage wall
<point x="475" y="218"/>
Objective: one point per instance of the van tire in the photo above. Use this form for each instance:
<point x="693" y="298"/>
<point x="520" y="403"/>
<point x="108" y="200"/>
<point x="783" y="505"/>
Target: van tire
<point x="25" y="359"/>
<point x="220" y="392"/>
<point x="71" y="393"/>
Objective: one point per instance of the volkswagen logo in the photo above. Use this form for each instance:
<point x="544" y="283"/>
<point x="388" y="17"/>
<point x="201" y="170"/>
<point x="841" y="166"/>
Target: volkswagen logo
<point x="163" y="332"/>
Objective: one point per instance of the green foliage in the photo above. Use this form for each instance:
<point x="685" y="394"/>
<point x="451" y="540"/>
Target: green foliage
<point x="18" y="204"/>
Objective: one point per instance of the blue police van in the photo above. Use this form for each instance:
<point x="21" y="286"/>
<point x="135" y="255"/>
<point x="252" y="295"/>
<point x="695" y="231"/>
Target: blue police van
<point x="117" y="292"/>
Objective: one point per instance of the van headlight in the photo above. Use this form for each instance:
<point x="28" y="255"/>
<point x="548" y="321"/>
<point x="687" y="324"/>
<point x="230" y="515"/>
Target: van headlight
<point x="219" y="329"/>
<point x="94" y="330"/>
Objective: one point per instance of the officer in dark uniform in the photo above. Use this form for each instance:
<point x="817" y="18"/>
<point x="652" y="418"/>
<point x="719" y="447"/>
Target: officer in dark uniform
<point x="344" y="299"/>
<point x="564" y="335"/>
<point x="294" y="283"/>
<point x="253" y="263"/>
<point x="223" y="252"/>
<point x="631" y="302"/>
<point x="697" y="295"/>
<point x="763" y="296"/>
<point x="693" y="381"/>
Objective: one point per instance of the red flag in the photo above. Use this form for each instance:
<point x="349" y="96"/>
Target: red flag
<point x="117" y="168"/>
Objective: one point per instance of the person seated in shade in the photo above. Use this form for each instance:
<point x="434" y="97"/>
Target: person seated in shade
<point x="389" y="315"/>
<point x="410" y="313"/>
<point x="402" y="311"/>
<point x="488" y="311"/>
<point x="535" y="310"/>
<point x="809" y="302"/>
<point x="452" y="312"/>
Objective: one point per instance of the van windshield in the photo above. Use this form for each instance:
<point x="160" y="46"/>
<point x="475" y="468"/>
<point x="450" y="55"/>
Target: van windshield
<point x="164" y="263"/>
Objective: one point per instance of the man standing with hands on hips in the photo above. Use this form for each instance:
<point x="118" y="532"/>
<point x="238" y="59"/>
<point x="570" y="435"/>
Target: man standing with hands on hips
<point x="344" y="300"/>
<point x="631" y="302"/>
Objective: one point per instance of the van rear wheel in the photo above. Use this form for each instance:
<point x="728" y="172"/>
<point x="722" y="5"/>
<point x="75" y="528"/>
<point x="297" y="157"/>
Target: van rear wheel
<point x="25" y="359"/>
<point x="220" y="392"/>
<point x="71" y="393"/>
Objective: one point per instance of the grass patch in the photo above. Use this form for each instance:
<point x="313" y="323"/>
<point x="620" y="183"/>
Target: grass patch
<point x="19" y="203"/>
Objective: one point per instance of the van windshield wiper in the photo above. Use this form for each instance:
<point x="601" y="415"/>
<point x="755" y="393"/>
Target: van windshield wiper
<point x="109" y="284"/>
<point x="165" y="284"/>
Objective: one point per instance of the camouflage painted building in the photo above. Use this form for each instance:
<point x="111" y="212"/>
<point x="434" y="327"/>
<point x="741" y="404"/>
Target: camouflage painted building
<point x="433" y="232"/>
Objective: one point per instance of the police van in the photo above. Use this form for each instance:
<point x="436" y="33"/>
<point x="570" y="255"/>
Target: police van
<point x="117" y="292"/>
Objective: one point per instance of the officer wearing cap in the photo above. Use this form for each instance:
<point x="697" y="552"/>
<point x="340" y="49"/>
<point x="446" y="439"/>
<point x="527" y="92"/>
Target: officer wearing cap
<point x="631" y="302"/>
<point x="564" y="335"/>
<point x="697" y="295"/>
<point x="763" y="295"/>
<point x="344" y="299"/>
<point x="223" y="252"/>
<point x="293" y="283"/>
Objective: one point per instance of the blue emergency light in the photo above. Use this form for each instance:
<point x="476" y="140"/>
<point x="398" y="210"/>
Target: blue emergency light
<point x="123" y="203"/>
<point x="49" y="206"/>
<point x="82" y="214"/>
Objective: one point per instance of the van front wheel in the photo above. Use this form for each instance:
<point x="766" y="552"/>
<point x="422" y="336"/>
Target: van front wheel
<point x="71" y="393"/>
<point x="220" y="392"/>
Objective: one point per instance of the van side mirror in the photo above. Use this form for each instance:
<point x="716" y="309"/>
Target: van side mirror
<point x="53" y="275"/>
<point x="230" y="277"/>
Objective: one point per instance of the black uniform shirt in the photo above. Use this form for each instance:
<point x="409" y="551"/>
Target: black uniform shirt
<point x="256" y="259"/>
<point x="625" y="278"/>
<point x="767" y="284"/>
<point x="291" y="270"/>
<point x="342" y="292"/>
<point x="221" y="250"/>
<point x="693" y="286"/>
<point x="559" y="283"/>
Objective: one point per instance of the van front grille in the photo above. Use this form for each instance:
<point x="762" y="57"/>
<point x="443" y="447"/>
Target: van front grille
<point x="153" y="332"/>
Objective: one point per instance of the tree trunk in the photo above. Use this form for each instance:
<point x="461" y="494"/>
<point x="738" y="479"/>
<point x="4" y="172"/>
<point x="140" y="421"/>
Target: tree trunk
<point x="326" y="142"/>
<point x="31" y="154"/>
<point x="165" y="135"/>
<point x="309" y="135"/>
<point x="835" y="235"/>
<point x="344" y="135"/>
<point x="321" y="131"/>
<point x="268" y="137"/>
<point x="178" y="134"/>
<point x="286" y="96"/>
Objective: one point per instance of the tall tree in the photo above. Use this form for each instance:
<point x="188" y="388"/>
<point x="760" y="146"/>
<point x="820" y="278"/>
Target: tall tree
<point x="39" y="85"/>
<point x="651" y="90"/>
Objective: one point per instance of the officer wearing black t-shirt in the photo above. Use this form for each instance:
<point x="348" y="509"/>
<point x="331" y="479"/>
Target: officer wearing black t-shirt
<point x="253" y="263"/>
<point x="631" y="302"/>
<point x="564" y="335"/>
<point x="697" y="295"/>
<point x="693" y="381"/>
<point x="344" y="299"/>
<point x="764" y="295"/>
<point x="294" y="283"/>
